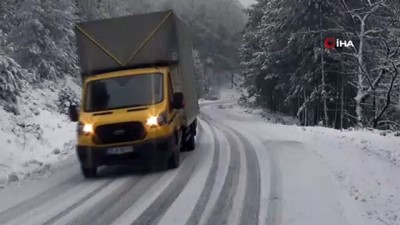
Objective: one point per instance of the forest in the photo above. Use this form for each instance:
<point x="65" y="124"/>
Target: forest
<point x="288" y="70"/>
<point x="276" y="45"/>
<point x="37" y="40"/>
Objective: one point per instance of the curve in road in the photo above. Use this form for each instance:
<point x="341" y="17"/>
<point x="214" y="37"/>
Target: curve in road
<point x="223" y="182"/>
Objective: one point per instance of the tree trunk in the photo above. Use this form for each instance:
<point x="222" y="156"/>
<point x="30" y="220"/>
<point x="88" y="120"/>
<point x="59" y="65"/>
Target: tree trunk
<point x="324" y="94"/>
<point x="360" y="78"/>
<point x="334" y="122"/>
<point x="305" y="110"/>
<point x="388" y="97"/>
<point x="341" y="102"/>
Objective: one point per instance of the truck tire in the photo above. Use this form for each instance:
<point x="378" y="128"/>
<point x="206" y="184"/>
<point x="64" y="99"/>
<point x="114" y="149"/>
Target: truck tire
<point x="183" y="141"/>
<point x="191" y="143"/>
<point x="195" y="127"/>
<point x="89" y="172"/>
<point x="173" y="161"/>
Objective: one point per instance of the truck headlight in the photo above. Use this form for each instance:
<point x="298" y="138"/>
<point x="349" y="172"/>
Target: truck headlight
<point x="152" y="121"/>
<point x="155" y="121"/>
<point x="85" y="128"/>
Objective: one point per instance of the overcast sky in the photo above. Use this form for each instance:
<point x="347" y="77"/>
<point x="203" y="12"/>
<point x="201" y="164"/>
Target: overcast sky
<point x="246" y="3"/>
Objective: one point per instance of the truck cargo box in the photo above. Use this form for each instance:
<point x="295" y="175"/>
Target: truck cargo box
<point x="140" y="41"/>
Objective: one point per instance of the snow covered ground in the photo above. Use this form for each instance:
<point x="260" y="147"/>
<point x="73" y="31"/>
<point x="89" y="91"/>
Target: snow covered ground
<point x="356" y="169"/>
<point x="38" y="137"/>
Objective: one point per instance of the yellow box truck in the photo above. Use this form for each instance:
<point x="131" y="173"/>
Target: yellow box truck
<point x="139" y="97"/>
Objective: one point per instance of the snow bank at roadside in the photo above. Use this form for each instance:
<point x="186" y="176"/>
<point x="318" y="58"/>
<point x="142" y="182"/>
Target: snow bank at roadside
<point x="365" y="165"/>
<point x="233" y="96"/>
<point x="38" y="137"/>
<point x="362" y="164"/>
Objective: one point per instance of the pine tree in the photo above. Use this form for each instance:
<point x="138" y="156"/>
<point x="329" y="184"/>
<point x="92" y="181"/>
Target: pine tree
<point x="287" y="68"/>
<point x="202" y="80"/>
<point x="283" y="57"/>
<point x="12" y="77"/>
<point x="7" y="22"/>
<point x="44" y="39"/>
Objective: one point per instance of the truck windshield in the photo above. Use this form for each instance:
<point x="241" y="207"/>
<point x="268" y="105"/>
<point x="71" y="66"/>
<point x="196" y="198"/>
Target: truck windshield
<point x="124" y="92"/>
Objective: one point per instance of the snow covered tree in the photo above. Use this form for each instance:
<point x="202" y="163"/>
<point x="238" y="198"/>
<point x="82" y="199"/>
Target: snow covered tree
<point x="287" y="68"/>
<point x="7" y="8"/>
<point x="66" y="98"/>
<point x="44" y="38"/>
<point x="91" y="9"/>
<point x="11" y="73"/>
<point x="283" y="58"/>
<point x="11" y="80"/>
<point x="374" y="25"/>
<point x="202" y="80"/>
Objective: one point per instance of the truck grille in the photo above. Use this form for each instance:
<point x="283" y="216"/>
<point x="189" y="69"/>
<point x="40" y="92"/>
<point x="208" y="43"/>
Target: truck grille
<point x="119" y="132"/>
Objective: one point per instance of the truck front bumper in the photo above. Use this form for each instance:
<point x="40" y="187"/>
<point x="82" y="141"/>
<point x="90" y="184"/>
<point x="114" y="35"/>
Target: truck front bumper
<point x="152" y="150"/>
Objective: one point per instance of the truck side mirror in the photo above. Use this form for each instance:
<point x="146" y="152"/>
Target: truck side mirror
<point x="73" y="113"/>
<point x="178" y="101"/>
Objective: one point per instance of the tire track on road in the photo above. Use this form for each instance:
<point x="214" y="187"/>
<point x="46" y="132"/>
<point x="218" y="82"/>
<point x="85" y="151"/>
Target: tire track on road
<point x="274" y="212"/>
<point x="274" y="202"/>
<point x="42" y="213"/>
<point x="78" y="203"/>
<point x="205" y="195"/>
<point x="158" y="208"/>
<point x="251" y="204"/>
<point x="181" y="209"/>
<point x="271" y="198"/>
<point x="117" y="208"/>
<point x="39" y="199"/>
<point x="224" y="202"/>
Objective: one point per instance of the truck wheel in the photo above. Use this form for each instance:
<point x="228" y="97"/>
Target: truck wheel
<point x="173" y="161"/>
<point x="89" y="172"/>
<point x="191" y="143"/>
<point x="195" y="128"/>
<point x="183" y="143"/>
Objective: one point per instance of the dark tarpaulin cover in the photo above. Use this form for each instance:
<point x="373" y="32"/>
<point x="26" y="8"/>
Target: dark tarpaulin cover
<point x="126" y="42"/>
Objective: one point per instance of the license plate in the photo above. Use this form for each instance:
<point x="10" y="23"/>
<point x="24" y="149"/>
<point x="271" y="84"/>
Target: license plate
<point x="119" y="150"/>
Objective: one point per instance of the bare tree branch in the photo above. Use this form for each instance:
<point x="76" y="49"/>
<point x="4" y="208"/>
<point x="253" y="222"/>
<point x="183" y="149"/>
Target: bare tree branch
<point x="388" y="95"/>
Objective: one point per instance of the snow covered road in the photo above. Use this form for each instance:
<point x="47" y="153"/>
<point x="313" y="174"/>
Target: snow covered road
<point x="243" y="171"/>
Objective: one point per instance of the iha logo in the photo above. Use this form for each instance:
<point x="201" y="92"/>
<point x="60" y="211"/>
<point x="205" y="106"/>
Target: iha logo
<point x="333" y="43"/>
